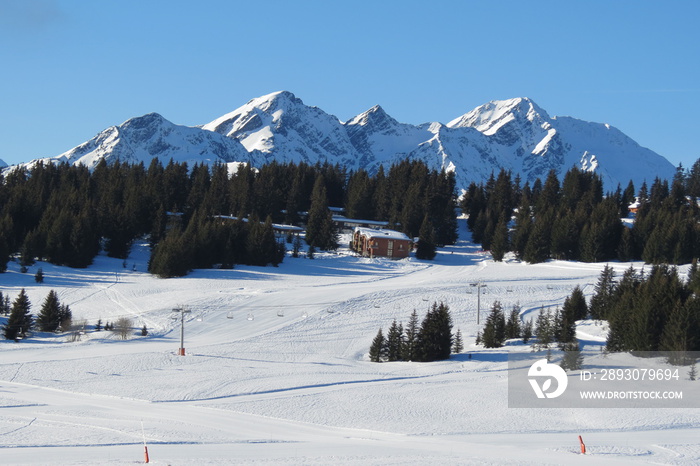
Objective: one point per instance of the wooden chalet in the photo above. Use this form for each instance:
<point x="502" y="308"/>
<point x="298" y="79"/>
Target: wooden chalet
<point x="381" y="243"/>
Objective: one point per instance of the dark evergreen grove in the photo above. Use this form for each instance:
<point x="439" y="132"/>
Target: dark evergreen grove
<point x="431" y="341"/>
<point x="51" y="317"/>
<point x="573" y="220"/>
<point x="650" y="311"/>
<point x="200" y="216"/>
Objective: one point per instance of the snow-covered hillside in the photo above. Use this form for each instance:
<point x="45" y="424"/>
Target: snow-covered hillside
<point x="514" y="134"/>
<point x="276" y="370"/>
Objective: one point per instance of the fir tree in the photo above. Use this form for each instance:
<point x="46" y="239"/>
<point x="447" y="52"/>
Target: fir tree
<point x="296" y="246"/>
<point x="577" y="302"/>
<point x="527" y="331"/>
<point x="603" y="298"/>
<point x="435" y="336"/>
<point x="694" y="278"/>
<point x="39" y="276"/>
<point x="537" y="248"/>
<point x="565" y="325"/>
<point x="411" y="340"/>
<point x="20" y="321"/>
<point x="394" y="342"/>
<point x="544" y="328"/>
<point x="320" y="229"/>
<point x="458" y="344"/>
<point x="499" y="244"/>
<point x="426" y="248"/>
<point x="513" y="328"/>
<point x="49" y="317"/>
<point x="573" y="358"/>
<point x="377" y="351"/>
<point x="494" y="333"/>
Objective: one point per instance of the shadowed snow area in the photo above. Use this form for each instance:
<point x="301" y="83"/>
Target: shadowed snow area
<point x="276" y="370"/>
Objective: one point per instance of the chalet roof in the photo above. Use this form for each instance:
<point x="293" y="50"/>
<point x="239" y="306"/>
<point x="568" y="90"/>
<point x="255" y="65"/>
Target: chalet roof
<point x="357" y="221"/>
<point x="379" y="233"/>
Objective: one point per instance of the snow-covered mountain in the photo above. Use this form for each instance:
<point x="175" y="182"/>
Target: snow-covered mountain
<point x="522" y="137"/>
<point x="2" y="163"/>
<point x="515" y="134"/>
<point x="142" y="138"/>
<point x="282" y="128"/>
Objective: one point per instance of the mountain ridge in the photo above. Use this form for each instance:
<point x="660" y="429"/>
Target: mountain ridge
<point x="514" y="134"/>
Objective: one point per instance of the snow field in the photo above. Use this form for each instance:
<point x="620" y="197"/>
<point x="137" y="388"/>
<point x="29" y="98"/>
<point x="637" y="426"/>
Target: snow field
<point x="298" y="388"/>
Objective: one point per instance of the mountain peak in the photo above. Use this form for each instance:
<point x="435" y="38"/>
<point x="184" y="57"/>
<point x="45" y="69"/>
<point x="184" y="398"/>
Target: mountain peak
<point x="274" y="100"/>
<point x="374" y="116"/>
<point x="145" y="121"/>
<point x="490" y="117"/>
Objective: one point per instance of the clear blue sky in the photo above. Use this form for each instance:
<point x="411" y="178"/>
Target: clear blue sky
<point x="69" y="69"/>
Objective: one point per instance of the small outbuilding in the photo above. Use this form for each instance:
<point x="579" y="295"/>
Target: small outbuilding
<point x="381" y="243"/>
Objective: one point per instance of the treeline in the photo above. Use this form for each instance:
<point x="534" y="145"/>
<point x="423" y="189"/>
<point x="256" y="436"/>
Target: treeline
<point x="654" y="311"/>
<point x="66" y="214"/>
<point x="431" y="340"/>
<point x="573" y="220"/>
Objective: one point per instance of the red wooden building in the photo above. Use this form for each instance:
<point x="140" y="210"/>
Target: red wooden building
<point x="384" y="243"/>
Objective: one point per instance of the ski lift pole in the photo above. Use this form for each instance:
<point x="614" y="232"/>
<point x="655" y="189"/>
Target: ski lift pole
<point x="182" y="310"/>
<point x="478" y="286"/>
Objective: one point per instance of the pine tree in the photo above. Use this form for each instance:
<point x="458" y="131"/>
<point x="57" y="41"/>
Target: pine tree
<point x="537" y="248"/>
<point x="499" y="244"/>
<point x="458" y="344"/>
<point x="694" y="278"/>
<point x="5" y="305"/>
<point x="296" y="246"/>
<point x="411" y="340"/>
<point x="394" y="342"/>
<point x="513" y="328"/>
<point x="527" y="331"/>
<point x="435" y="336"/>
<point x="494" y="333"/>
<point x="544" y="328"/>
<point x="573" y="359"/>
<point x="426" y="248"/>
<point x="39" y="276"/>
<point x="377" y="351"/>
<point x="49" y="317"/>
<point x="144" y="331"/>
<point x="565" y="325"/>
<point x="320" y="229"/>
<point x="20" y="321"/>
<point x="65" y="317"/>
<point x="577" y="301"/>
<point x="602" y="300"/>
<point x="522" y="228"/>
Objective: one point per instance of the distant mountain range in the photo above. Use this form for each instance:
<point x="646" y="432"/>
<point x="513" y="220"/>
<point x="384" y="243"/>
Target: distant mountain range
<point x="515" y="134"/>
